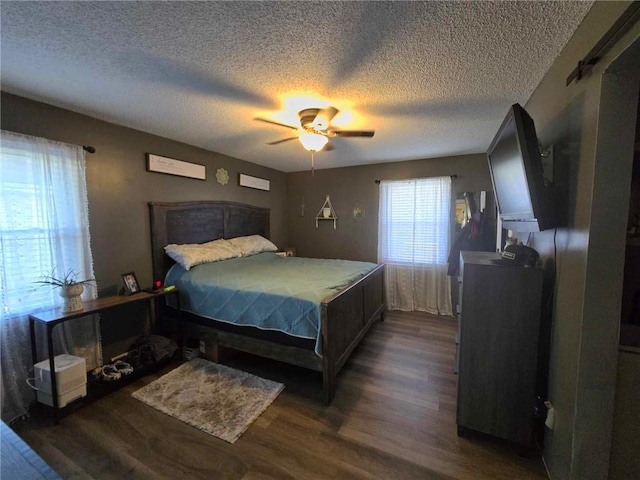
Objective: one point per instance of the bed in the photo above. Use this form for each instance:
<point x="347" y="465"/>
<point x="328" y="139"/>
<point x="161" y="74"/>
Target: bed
<point x="345" y="317"/>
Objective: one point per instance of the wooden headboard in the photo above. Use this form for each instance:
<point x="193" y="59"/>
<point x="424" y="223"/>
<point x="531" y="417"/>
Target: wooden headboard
<point x="198" y="222"/>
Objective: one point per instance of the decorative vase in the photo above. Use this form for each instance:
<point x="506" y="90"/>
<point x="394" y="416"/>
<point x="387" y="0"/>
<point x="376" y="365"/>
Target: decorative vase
<point x="326" y="212"/>
<point x="71" y="295"/>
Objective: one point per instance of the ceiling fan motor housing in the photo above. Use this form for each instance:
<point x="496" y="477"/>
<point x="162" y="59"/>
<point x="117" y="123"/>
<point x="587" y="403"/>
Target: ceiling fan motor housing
<point x="307" y="118"/>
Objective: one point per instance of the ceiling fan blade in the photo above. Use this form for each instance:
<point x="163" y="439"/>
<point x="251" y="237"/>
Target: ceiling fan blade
<point x="351" y="133"/>
<point x="276" y="123"/>
<point x="281" y="141"/>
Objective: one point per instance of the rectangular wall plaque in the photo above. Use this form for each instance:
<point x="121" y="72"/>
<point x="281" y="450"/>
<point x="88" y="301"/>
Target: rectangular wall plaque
<point x="156" y="163"/>
<point x="253" y="182"/>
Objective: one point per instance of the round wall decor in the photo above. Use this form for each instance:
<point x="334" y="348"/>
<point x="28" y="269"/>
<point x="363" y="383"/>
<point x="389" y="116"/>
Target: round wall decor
<point x="222" y="176"/>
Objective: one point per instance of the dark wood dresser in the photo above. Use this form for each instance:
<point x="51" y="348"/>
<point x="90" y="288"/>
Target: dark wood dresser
<point x="498" y="332"/>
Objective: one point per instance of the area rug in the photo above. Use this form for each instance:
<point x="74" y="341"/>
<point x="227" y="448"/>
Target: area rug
<point x="219" y="400"/>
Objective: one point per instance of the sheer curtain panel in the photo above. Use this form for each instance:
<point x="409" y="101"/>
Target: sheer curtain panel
<point x="414" y="230"/>
<point x="44" y="228"/>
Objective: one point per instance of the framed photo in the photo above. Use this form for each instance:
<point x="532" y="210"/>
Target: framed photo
<point x="130" y="282"/>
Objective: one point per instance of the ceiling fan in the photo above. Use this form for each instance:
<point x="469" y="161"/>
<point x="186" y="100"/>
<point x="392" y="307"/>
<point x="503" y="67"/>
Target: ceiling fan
<point x="314" y="130"/>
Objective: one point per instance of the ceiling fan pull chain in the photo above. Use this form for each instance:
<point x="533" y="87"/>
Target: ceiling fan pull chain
<point x="312" y="171"/>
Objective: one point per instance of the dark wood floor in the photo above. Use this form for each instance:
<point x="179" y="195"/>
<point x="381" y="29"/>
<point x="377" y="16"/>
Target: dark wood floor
<point x="393" y="417"/>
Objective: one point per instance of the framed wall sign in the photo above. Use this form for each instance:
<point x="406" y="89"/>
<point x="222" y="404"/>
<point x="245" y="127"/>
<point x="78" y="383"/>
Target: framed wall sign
<point x="253" y="182"/>
<point x="156" y="163"/>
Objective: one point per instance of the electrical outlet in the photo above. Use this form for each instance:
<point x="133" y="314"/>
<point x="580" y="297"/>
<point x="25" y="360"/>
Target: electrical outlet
<point x="201" y="346"/>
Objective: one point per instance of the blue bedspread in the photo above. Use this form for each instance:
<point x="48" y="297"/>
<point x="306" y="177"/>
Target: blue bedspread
<point x="266" y="290"/>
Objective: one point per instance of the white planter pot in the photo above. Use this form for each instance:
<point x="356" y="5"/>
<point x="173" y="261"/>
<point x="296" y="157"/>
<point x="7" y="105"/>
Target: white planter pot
<point x="71" y="295"/>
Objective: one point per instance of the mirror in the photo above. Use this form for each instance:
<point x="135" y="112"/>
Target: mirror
<point x="467" y="205"/>
<point x="474" y="229"/>
<point x="480" y="208"/>
<point x="474" y="225"/>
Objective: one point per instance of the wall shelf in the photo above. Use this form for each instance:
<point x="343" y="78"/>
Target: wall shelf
<point x="327" y="212"/>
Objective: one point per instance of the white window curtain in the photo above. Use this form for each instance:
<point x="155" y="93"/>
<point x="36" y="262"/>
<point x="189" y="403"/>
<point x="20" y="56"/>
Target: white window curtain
<point x="414" y="229"/>
<point x="44" y="228"/>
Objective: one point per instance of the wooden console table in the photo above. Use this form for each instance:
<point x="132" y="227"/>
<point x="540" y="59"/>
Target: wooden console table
<point x="51" y="318"/>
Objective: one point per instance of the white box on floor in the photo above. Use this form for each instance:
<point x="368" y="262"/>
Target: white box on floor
<point x="71" y="379"/>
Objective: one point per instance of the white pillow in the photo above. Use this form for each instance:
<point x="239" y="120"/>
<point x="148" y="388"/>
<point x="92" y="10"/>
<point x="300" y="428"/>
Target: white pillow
<point x="252" y="244"/>
<point x="190" y="255"/>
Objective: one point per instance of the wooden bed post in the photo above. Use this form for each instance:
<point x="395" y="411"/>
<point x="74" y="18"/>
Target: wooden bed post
<point x="328" y="363"/>
<point x="329" y="384"/>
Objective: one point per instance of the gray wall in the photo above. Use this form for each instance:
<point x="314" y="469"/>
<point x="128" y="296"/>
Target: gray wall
<point x="591" y="124"/>
<point x="119" y="186"/>
<point x="351" y="186"/>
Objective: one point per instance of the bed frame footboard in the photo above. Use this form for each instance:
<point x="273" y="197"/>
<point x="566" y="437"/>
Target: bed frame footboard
<point x="346" y="318"/>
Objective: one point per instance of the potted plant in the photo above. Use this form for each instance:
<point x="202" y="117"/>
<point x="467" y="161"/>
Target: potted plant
<point x="70" y="288"/>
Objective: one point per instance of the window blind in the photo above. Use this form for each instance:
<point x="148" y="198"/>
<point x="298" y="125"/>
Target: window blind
<point x="414" y="224"/>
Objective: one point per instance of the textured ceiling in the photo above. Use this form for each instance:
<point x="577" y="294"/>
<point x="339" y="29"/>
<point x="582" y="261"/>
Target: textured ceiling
<point x="431" y="78"/>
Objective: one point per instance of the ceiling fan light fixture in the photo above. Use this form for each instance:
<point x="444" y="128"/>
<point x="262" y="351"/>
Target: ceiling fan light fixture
<point x="314" y="142"/>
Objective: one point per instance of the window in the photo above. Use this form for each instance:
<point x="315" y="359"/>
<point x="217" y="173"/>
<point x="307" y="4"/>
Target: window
<point x="415" y="222"/>
<point x="43" y="227"/>
<point x="413" y="241"/>
<point x="43" y="220"/>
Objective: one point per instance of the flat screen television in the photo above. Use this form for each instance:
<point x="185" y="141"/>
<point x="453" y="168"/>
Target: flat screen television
<point x="525" y="200"/>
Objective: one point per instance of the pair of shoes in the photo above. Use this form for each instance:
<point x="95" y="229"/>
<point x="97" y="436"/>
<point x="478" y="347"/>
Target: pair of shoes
<point x="112" y="372"/>
<point x="123" y="368"/>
